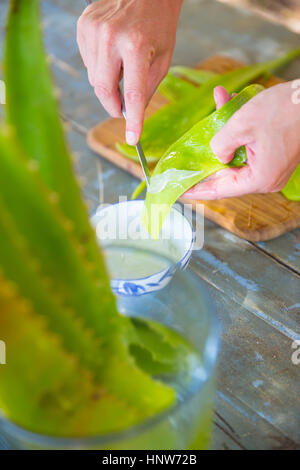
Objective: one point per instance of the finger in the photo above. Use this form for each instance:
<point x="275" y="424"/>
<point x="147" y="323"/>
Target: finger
<point x="158" y="70"/>
<point x="106" y="81"/>
<point x="81" y="37"/>
<point x="87" y="32"/>
<point x="233" y="135"/>
<point x="221" y="96"/>
<point x="135" y="90"/>
<point x="81" y="46"/>
<point x="91" y="52"/>
<point x="236" y="182"/>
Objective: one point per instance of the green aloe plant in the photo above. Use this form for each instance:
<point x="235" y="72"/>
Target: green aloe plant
<point x="292" y="188"/>
<point x="175" y="88"/>
<point x="72" y="359"/>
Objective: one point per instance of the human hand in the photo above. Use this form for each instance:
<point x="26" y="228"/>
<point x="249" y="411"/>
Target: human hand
<point x="135" y="38"/>
<point x="269" y="126"/>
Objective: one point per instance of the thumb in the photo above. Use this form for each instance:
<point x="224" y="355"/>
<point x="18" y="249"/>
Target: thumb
<point x="221" y="96"/>
<point x="233" y="135"/>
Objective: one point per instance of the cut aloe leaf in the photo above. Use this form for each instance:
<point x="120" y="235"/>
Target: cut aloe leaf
<point x="190" y="160"/>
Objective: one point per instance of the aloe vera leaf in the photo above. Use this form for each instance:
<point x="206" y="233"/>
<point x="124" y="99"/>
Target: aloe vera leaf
<point x="43" y="389"/>
<point x="149" y="396"/>
<point x="138" y="190"/>
<point x="38" y="218"/>
<point x="33" y="111"/>
<point x="69" y="280"/>
<point x="37" y="370"/>
<point x="146" y="336"/>
<point x="20" y="267"/>
<point x="157" y="349"/>
<point x="197" y="76"/>
<point x="75" y="338"/>
<point x="119" y="411"/>
<point x="46" y="249"/>
<point x="292" y="189"/>
<point x="39" y="107"/>
<point x="39" y="128"/>
<point x="190" y="160"/>
<point x="169" y="123"/>
<point x="174" y="88"/>
<point x="38" y="125"/>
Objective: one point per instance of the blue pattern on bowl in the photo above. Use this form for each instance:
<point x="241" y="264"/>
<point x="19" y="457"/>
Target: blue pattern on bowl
<point x="137" y="287"/>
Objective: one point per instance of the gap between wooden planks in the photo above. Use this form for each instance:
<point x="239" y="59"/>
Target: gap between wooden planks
<point x="255" y="217"/>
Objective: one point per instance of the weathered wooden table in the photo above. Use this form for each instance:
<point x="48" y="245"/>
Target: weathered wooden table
<point x="255" y="286"/>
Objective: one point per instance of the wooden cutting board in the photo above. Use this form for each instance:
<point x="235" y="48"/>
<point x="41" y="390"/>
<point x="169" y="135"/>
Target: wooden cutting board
<point x="254" y="217"/>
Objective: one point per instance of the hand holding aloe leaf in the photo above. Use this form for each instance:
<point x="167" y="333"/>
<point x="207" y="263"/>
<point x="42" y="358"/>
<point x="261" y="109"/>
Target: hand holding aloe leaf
<point x="190" y="160"/>
<point x="168" y="124"/>
<point x="269" y="128"/>
<point x="177" y="89"/>
<point x="254" y="124"/>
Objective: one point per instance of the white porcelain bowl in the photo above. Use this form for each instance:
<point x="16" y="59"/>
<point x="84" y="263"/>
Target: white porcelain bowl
<point x="138" y="264"/>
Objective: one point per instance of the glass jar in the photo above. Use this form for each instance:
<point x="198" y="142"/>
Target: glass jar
<point x="184" y="306"/>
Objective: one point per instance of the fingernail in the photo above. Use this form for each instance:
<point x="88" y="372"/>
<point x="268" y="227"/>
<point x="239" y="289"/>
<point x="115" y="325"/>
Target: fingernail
<point x="131" y="138"/>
